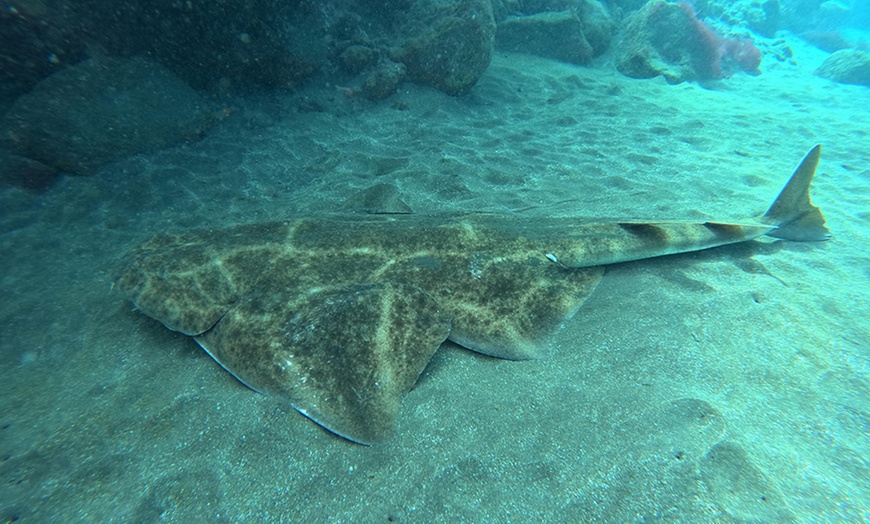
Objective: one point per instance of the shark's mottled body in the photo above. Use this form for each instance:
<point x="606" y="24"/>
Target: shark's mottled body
<point x="339" y="314"/>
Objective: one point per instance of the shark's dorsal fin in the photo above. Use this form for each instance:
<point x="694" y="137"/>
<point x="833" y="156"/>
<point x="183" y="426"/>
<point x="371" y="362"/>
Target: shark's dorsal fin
<point x="379" y="199"/>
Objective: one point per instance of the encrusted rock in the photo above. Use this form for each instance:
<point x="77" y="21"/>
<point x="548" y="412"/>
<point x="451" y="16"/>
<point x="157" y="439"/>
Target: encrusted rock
<point x="574" y="36"/>
<point x="88" y="115"/>
<point x="356" y="58"/>
<point x="384" y="80"/>
<point x="848" y="66"/>
<point x="668" y="39"/>
<point x="451" y="48"/>
<point x="24" y="172"/>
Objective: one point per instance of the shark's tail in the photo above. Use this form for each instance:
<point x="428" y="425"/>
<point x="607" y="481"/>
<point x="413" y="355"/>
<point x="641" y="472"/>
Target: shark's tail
<point x="793" y="212"/>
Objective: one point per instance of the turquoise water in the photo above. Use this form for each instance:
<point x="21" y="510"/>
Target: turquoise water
<point x="728" y="385"/>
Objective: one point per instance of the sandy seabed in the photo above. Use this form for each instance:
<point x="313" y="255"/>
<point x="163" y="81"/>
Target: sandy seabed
<point x="731" y="385"/>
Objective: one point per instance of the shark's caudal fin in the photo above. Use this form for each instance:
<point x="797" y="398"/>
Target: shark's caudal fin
<point x="793" y="212"/>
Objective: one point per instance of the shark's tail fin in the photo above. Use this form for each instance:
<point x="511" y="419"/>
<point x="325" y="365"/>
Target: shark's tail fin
<point x="793" y="213"/>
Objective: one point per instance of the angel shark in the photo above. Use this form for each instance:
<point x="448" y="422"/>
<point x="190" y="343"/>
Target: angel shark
<point x="339" y="314"/>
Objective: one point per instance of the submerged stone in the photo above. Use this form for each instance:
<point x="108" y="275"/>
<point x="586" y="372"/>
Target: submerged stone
<point x="88" y="115"/>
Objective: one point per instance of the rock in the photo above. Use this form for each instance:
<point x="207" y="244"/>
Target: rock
<point x="848" y="66"/>
<point x="557" y="35"/>
<point x="574" y="36"/>
<point x="627" y="6"/>
<point x="652" y="42"/>
<point x="598" y="25"/>
<point x="452" y="45"/>
<point x="356" y="58"/>
<point x="669" y="40"/>
<point x="88" y="115"/>
<point x="530" y="7"/>
<point x="763" y="17"/>
<point x="25" y="173"/>
<point x="501" y="9"/>
<point x="384" y="80"/>
<point x="34" y="42"/>
<point x="241" y="45"/>
<point x="828" y="41"/>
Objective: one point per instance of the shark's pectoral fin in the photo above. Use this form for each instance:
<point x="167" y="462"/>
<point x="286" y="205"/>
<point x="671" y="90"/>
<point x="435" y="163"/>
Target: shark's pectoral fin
<point x="342" y="357"/>
<point x="514" y="307"/>
<point x="162" y="284"/>
<point x="182" y="280"/>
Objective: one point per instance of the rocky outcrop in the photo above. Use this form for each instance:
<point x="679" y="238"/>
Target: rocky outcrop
<point x="763" y="17"/>
<point x="26" y="173"/>
<point x="242" y="45"/>
<point x="848" y="66"/>
<point x="666" y="39"/>
<point x="384" y="80"/>
<point x="34" y="42"/>
<point x="88" y="115"/>
<point x="574" y="35"/>
<point x="255" y="45"/>
<point x="448" y="48"/>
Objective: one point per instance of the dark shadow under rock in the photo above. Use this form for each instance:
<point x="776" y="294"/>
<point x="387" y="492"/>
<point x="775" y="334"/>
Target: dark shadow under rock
<point x="86" y="116"/>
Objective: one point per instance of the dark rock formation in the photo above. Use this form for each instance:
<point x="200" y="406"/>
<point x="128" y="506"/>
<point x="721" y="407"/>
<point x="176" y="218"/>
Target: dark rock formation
<point x="575" y="35"/>
<point x="448" y="48"/>
<point x="88" y="115"/>
<point x="383" y="81"/>
<point x="35" y="41"/>
<point x="669" y="40"/>
<point x="356" y="58"/>
<point x="26" y="173"/>
<point x="241" y="45"/>
<point x="761" y="16"/>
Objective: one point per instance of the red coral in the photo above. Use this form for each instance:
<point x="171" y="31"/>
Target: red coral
<point x="745" y="53"/>
<point x="712" y="49"/>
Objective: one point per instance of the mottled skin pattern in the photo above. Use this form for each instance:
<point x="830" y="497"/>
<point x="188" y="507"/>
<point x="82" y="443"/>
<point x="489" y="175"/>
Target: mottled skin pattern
<point x="340" y="314"/>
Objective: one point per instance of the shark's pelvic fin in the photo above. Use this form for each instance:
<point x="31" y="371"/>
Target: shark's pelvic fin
<point x="793" y="212"/>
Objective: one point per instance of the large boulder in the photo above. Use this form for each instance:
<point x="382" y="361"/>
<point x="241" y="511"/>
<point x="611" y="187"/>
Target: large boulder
<point x="848" y="66"/>
<point x="448" y="47"/>
<point x="667" y="39"/>
<point x="35" y="41"/>
<point x="557" y="35"/>
<point x="575" y="35"/>
<point x="88" y="115"/>
<point x="25" y="172"/>
<point x="384" y="80"/>
<point x="761" y="16"/>
<point x="241" y="45"/>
